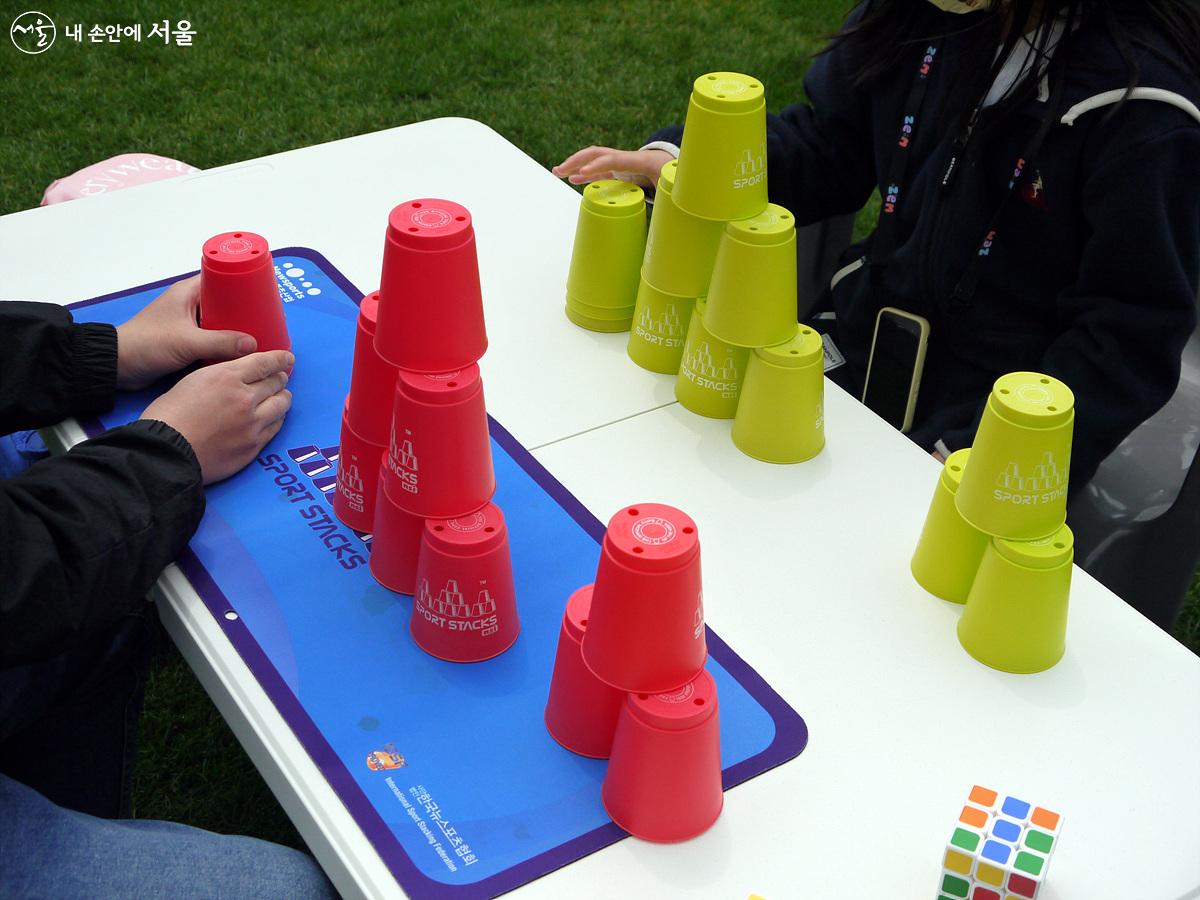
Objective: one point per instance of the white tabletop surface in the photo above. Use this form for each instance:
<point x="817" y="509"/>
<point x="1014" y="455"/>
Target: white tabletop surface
<point x="805" y="566"/>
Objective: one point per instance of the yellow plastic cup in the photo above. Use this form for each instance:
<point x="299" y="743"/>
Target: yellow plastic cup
<point x="710" y="372"/>
<point x="610" y="240"/>
<point x="659" y="328"/>
<point x="723" y="156"/>
<point x="680" y="248"/>
<point x="1015" y="619"/>
<point x="1016" y="486"/>
<point x="604" y="324"/>
<point x="781" y="413"/>
<point x="948" y="553"/>
<point x="752" y="294"/>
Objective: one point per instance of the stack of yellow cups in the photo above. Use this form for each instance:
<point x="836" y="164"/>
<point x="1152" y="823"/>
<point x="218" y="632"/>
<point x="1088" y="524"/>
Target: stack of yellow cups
<point x="610" y="238"/>
<point x="1008" y="552"/>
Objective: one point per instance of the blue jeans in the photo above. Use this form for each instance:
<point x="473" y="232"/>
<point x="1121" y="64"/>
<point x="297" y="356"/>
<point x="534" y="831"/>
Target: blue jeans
<point x="48" y="851"/>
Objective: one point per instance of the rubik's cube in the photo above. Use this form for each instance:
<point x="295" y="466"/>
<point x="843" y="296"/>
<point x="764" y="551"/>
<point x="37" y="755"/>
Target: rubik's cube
<point x="1000" y="849"/>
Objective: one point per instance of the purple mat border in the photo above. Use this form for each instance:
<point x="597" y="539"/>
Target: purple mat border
<point x="791" y="732"/>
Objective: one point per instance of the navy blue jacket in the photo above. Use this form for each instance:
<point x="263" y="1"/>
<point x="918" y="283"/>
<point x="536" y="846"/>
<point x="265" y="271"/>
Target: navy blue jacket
<point x="1093" y="270"/>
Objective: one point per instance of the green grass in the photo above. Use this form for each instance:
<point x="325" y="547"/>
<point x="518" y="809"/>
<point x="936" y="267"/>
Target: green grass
<point x="262" y="78"/>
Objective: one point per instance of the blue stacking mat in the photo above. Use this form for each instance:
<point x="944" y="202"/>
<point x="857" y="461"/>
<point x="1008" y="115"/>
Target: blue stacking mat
<point x="447" y="768"/>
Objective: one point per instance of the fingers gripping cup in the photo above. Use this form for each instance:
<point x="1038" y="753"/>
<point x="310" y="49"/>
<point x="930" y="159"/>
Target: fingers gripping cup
<point x="781" y="412"/>
<point x="645" y="630"/>
<point x="680" y="248"/>
<point x="659" y="328"/>
<point x="581" y="713"/>
<point x="465" y="607"/>
<point x="440" y="455"/>
<point x="723" y="158"/>
<point x="357" y="478"/>
<point x="948" y="553"/>
<point x="396" y="545"/>
<point x="238" y="289"/>
<point x="664" y="775"/>
<point x="710" y="371"/>
<point x="610" y="240"/>
<point x="1016" y="485"/>
<point x="1015" y="619"/>
<point x="372" y="379"/>
<point x="430" y="305"/>
<point x="752" y="295"/>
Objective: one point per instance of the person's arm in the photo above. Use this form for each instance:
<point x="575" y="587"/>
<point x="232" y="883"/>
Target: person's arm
<point x="1133" y="306"/>
<point x="83" y="536"/>
<point x="52" y="368"/>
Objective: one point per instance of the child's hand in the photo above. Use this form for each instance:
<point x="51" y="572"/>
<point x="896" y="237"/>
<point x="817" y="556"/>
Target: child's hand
<point x="596" y="163"/>
<point x="229" y="411"/>
<point x="165" y="337"/>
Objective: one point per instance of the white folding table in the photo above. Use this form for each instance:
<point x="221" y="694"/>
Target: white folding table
<point x="806" y="567"/>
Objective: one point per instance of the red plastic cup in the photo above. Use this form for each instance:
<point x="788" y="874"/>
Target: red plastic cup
<point x="664" y="775"/>
<point x="357" y="478"/>
<point x="465" y="607"/>
<point x="430" y="306"/>
<point x="646" y="627"/>
<point x="440" y="456"/>
<point x="581" y="713"/>
<point x="238" y="290"/>
<point x="372" y="379"/>
<point x="396" y="545"/>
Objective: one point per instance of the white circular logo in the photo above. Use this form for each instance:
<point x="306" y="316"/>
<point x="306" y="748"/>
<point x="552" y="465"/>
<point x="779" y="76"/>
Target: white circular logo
<point x="235" y="246"/>
<point x="444" y="376"/>
<point x="467" y="524"/>
<point x="431" y="217"/>
<point x="729" y="86"/>
<point x="683" y="695"/>
<point x="1035" y="393"/>
<point x="614" y="191"/>
<point x="33" y="32"/>
<point x="653" y="530"/>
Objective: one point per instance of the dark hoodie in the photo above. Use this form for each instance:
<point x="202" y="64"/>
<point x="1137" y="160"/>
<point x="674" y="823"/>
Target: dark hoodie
<point x="1091" y="268"/>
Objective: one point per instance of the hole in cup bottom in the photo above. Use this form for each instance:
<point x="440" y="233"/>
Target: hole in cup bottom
<point x="956" y="468"/>
<point x="254" y="253"/>
<point x="1004" y="390"/>
<point x="1045" y="381"/>
<point x="238" y="234"/>
<point x="643" y="696"/>
<point x="212" y="252"/>
<point x="583" y="622"/>
<point x="794" y="352"/>
<point x="633" y="512"/>
<point x="688" y="530"/>
<point x="451" y="384"/>
<point x="1051" y="409"/>
<point x="412" y="229"/>
<point x="438" y="528"/>
<point x="699" y="701"/>
<point x="416" y="206"/>
<point x="1060" y="546"/>
<point x="638" y="550"/>
<point x="489" y="529"/>
<point x="712" y="77"/>
<point x="806" y="331"/>
<point x="460" y="218"/>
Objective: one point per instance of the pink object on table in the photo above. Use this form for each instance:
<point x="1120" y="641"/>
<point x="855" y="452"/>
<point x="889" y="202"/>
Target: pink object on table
<point x="126" y="170"/>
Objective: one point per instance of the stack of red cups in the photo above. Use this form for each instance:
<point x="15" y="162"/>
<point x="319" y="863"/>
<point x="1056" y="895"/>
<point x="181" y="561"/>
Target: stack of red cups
<point x="629" y="681"/>
<point x="429" y="475"/>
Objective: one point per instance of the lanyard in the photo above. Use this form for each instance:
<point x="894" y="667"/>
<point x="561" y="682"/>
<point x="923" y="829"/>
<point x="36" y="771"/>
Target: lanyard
<point x="964" y="291"/>
<point x="885" y="231"/>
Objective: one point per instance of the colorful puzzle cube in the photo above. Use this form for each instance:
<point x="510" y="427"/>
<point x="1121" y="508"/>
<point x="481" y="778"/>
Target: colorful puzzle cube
<point x="1000" y="849"/>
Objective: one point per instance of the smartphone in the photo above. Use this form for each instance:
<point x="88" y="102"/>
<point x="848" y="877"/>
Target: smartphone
<point x="894" y="367"/>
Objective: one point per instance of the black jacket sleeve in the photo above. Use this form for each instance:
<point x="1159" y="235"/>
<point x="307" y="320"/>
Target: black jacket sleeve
<point x="84" y="535"/>
<point x="51" y="368"/>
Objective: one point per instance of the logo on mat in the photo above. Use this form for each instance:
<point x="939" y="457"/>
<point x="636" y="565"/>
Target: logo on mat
<point x="33" y="32"/>
<point x="653" y="530"/>
<point x="320" y="464"/>
<point x="386" y="759"/>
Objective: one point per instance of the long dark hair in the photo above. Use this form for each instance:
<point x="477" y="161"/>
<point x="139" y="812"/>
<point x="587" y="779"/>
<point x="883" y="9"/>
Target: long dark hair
<point x="884" y="37"/>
